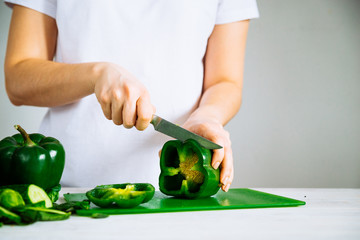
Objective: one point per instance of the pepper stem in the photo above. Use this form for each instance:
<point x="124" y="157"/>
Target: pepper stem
<point x="25" y="136"/>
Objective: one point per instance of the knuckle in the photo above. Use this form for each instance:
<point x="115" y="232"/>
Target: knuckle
<point x="143" y="119"/>
<point x="128" y="91"/>
<point x="116" y="94"/>
<point x="219" y="140"/>
<point x="104" y="98"/>
<point x="144" y="93"/>
<point x="203" y="127"/>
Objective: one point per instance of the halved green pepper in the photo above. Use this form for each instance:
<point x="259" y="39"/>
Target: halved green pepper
<point x="186" y="170"/>
<point x="126" y="195"/>
<point x="31" y="159"/>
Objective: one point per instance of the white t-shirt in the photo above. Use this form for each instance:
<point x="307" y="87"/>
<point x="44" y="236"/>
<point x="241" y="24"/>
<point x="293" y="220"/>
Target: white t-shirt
<point x="162" y="43"/>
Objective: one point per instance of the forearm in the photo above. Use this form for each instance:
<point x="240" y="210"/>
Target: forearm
<point x="223" y="75"/>
<point x="219" y="102"/>
<point x="46" y="83"/>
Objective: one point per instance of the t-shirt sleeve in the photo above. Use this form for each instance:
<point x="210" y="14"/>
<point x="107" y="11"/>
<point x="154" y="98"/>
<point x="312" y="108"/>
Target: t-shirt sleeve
<point x="47" y="7"/>
<point x="236" y="10"/>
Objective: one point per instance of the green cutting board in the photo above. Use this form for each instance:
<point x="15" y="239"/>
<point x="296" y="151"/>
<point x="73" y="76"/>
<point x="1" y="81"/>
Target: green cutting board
<point x="234" y="199"/>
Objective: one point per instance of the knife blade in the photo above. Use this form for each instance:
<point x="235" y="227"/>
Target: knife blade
<point x="175" y="131"/>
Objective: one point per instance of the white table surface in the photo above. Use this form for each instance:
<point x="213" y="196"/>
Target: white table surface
<point x="328" y="214"/>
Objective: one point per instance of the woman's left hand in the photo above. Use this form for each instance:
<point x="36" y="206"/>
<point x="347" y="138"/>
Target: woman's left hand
<point x="214" y="131"/>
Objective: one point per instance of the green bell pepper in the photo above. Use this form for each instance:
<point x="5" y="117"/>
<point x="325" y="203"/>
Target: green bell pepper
<point x="124" y="195"/>
<point x="186" y="170"/>
<point x="31" y="159"/>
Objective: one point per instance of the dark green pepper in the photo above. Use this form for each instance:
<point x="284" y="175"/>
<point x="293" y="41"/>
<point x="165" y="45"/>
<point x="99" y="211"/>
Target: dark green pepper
<point x="31" y="159"/>
<point x="186" y="170"/>
<point x="126" y="195"/>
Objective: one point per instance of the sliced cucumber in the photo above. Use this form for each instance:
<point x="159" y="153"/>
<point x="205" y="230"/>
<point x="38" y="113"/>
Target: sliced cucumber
<point x="36" y="194"/>
<point x="32" y="194"/>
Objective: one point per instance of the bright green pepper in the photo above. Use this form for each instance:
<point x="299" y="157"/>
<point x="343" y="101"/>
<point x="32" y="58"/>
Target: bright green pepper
<point x="31" y="159"/>
<point x="186" y="170"/>
<point x="125" y="195"/>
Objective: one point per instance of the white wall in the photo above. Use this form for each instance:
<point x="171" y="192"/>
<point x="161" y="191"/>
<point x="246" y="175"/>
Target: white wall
<point x="299" y="122"/>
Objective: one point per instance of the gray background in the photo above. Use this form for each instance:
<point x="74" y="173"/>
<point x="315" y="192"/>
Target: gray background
<point x="299" y="122"/>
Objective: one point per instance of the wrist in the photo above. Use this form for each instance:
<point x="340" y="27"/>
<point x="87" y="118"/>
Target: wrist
<point x="206" y="114"/>
<point x="97" y="69"/>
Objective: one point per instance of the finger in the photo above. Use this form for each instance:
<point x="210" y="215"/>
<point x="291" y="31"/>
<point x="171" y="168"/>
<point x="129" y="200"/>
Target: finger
<point x="105" y="104"/>
<point x="218" y="154"/>
<point x="227" y="170"/>
<point x="129" y="113"/>
<point x="226" y="187"/>
<point x="145" y="111"/>
<point x="116" y="111"/>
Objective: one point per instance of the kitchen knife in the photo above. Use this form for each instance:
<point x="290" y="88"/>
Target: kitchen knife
<point x="175" y="131"/>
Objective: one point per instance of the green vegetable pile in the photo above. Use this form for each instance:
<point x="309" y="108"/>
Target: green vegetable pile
<point x="27" y="203"/>
<point x="31" y="166"/>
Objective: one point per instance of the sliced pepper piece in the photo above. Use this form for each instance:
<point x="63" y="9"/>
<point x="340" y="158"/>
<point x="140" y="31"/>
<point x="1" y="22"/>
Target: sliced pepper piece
<point x="126" y="195"/>
<point x="186" y="170"/>
<point x="10" y="199"/>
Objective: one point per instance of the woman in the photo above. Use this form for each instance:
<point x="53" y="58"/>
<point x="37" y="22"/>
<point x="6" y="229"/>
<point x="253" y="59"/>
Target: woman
<point x="89" y="59"/>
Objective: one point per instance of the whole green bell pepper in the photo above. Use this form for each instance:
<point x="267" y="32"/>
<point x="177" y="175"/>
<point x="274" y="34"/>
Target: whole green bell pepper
<point x="186" y="170"/>
<point x="31" y="159"/>
<point x="126" y="195"/>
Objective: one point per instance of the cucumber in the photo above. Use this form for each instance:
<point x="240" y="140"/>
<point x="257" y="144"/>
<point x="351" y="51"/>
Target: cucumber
<point x="31" y="193"/>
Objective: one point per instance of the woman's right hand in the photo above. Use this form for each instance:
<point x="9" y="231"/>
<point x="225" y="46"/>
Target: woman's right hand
<point x="122" y="97"/>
